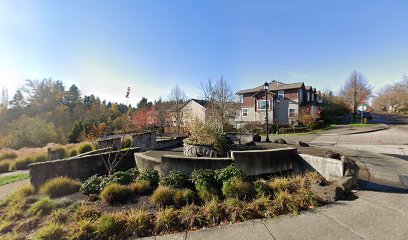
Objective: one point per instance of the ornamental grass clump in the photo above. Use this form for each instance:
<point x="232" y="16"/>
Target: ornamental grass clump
<point x="141" y="188"/>
<point x="51" y="231"/>
<point x="262" y="189"/>
<point x="116" y="194"/>
<point x="163" y="196"/>
<point x="214" y="212"/>
<point x="191" y="217"/>
<point x="111" y="226"/>
<point x="84" y="148"/>
<point x="82" y="229"/>
<point x="139" y="222"/>
<point x="166" y="220"/>
<point x="238" y="188"/>
<point x="60" y="186"/>
<point x="285" y="202"/>
<point x="87" y="211"/>
<point x="8" y="154"/>
<point x="42" y="207"/>
<point x="5" y="166"/>
<point x="280" y="184"/>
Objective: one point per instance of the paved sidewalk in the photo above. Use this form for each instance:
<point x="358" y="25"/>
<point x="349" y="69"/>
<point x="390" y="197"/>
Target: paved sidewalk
<point x="373" y="215"/>
<point x="5" y="190"/>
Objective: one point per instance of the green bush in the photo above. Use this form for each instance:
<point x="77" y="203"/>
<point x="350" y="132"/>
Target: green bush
<point x="60" y="186"/>
<point x="140" y="187"/>
<point x="163" y="196"/>
<point x="280" y="184"/>
<point x="84" y="148"/>
<point x="229" y="172"/>
<point x="206" y="184"/>
<point x="92" y="185"/>
<point x="42" y="206"/>
<point x="51" y="231"/>
<point x="82" y="229"/>
<point x="73" y="153"/>
<point x="238" y="188"/>
<point x="262" y="189"/>
<point x="127" y="143"/>
<point x="152" y="176"/>
<point x="175" y="179"/>
<point x="5" y="166"/>
<point x="115" y="193"/>
<point x="184" y="196"/>
<point x="125" y="177"/>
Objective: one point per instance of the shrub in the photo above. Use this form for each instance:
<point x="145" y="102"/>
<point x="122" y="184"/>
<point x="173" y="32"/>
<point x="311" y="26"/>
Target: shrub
<point x="5" y="166"/>
<point x="280" y="184"/>
<point x="166" y="220"/>
<point x="238" y="188"/>
<point x="259" y="207"/>
<point x="109" y="225"/>
<point x="163" y="196"/>
<point x="8" y="154"/>
<point x="175" y="179"/>
<point x="236" y="210"/>
<point x="127" y="143"/>
<point x="152" y="176"/>
<point x="84" y="148"/>
<point x="60" y="186"/>
<point x="115" y="193"/>
<point x="73" y="153"/>
<point x="229" y="172"/>
<point x="124" y="177"/>
<point x="204" y="179"/>
<point x="41" y="158"/>
<point x="50" y="231"/>
<point x="23" y="162"/>
<point x="82" y="229"/>
<point x="139" y="222"/>
<point x="92" y="185"/>
<point x="42" y="207"/>
<point x="208" y="194"/>
<point x="305" y="199"/>
<point x="262" y="189"/>
<point x="186" y="196"/>
<point x="191" y="217"/>
<point x="141" y="187"/>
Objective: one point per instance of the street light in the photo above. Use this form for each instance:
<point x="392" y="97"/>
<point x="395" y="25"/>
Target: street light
<point x="266" y="87"/>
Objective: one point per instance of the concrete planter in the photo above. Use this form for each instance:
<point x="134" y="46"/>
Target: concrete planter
<point x="194" y="150"/>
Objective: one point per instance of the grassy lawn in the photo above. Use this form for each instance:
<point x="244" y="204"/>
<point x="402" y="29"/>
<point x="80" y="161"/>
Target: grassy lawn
<point x="304" y="133"/>
<point x="13" y="178"/>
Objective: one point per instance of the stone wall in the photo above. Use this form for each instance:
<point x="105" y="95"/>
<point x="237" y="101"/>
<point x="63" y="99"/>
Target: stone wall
<point x="144" y="162"/>
<point x="188" y="164"/>
<point x="259" y="162"/>
<point x="329" y="168"/>
<point x="77" y="167"/>
<point x="193" y="150"/>
<point x="56" y="154"/>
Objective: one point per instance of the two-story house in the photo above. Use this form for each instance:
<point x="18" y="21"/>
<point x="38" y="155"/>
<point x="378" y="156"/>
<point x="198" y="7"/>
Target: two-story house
<point x="284" y="101"/>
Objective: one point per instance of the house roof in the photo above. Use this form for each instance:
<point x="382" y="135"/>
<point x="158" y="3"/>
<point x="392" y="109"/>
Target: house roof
<point x="273" y="86"/>
<point x="201" y="102"/>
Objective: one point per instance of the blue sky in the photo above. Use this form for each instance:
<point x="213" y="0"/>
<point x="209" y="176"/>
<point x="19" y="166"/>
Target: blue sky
<point x="106" y="46"/>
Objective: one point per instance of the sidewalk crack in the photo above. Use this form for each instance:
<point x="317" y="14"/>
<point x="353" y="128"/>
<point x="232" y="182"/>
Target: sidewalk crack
<point x="267" y="229"/>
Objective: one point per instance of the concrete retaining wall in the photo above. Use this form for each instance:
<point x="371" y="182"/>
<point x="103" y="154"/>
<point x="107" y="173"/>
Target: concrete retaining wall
<point x="188" y="164"/>
<point x="145" y="141"/>
<point x="330" y="169"/>
<point x="259" y="162"/>
<point x="77" y="167"/>
<point x="240" y="138"/>
<point x="144" y="163"/>
<point x="170" y="143"/>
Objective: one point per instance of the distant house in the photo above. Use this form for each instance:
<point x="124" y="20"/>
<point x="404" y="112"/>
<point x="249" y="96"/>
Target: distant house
<point x="284" y="101"/>
<point x="192" y="109"/>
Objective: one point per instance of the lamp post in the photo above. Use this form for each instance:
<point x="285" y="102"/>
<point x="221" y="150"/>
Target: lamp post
<point x="266" y="87"/>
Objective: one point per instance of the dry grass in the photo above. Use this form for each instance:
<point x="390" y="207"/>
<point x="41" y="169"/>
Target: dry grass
<point x="166" y="220"/>
<point x="116" y="193"/>
<point x="60" y="186"/>
<point x="139" y="222"/>
<point x="50" y="231"/>
<point x="140" y="187"/>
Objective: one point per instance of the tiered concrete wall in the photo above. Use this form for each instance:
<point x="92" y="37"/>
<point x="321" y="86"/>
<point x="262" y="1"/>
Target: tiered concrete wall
<point x="188" y="164"/>
<point x="144" y="141"/>
<point x="330" y="169"/>
<point x="259" y="162"/>
<point x="170" y="143"/>
<point x="241" y="138"/>
<point x="77" y="167"/>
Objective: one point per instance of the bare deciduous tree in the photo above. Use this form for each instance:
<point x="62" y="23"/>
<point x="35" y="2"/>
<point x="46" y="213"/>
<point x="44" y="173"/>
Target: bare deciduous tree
<point x="178" y="97"/>
<point x="393" y="97"/>
<point x="220" y="98"/>
<point x="355" y="90"/>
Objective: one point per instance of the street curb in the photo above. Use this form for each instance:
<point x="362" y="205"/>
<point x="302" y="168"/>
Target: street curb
<point x="369" y="131"/>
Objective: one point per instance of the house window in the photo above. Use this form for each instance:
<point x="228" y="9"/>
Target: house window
<point x="241" y="98"/>
<point x="291" y="112"/>
<point x="308" y="96"/>
<point x="245" y="112"/>
<point x="261" y="104"/>
<point x="281" y="94"/>
<point x="300" y="95"/>
<point x="312" y="97"/>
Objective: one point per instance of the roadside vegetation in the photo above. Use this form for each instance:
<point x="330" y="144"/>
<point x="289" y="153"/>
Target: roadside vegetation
<point x="13" y="178"/>
<point x="132" y="204"/>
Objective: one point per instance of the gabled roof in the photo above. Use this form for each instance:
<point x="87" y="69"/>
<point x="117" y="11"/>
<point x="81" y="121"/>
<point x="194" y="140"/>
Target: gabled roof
<point x="203" y="103"/>
<point x="273" y="86"/>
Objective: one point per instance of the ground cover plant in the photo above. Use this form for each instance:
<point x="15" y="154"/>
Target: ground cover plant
<point x="142" y="204"/>
<point x="13" y="178"/>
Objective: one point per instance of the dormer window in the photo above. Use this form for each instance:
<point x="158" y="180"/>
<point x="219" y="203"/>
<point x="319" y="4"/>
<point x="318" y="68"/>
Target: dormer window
<point x="281" y="94"/>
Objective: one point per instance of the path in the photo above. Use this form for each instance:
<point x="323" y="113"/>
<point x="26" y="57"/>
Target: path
<point x="11" y="187"/>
